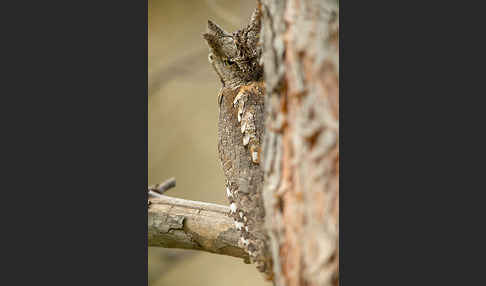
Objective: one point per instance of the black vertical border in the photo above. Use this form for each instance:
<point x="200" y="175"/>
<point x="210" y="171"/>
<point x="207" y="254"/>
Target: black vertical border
<point x="79" y="147"/>
<point x="388" y="209"/>
<point x="76" y="159"/>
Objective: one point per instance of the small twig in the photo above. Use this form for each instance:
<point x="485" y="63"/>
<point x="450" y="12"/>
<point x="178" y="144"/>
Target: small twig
<point x="163" y="187"/>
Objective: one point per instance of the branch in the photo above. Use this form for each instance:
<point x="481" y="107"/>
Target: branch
<point x="179" y="223"/>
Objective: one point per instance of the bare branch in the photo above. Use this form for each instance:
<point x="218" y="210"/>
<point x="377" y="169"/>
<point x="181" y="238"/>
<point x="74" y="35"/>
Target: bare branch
<point x="179" y="223"/>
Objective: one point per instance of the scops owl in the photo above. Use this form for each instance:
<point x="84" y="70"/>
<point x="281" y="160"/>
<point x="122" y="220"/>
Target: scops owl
<point x="236" y="59"/>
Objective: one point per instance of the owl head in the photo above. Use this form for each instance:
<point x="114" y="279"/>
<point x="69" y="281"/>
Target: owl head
<point x="236" y="57"/>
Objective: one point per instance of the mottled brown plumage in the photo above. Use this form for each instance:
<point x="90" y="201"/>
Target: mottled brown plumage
<point x="236" y="60"/>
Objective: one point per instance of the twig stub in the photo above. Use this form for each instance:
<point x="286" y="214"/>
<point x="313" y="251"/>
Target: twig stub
<point x="163" y="187"/>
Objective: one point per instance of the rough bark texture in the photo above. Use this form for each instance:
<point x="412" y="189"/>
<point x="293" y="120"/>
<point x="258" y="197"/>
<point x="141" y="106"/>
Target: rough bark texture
<point x="301" y="150"/>
<point x="178" y="223"/>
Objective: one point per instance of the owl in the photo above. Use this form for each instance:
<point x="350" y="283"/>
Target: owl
<point x="235" y="58"/>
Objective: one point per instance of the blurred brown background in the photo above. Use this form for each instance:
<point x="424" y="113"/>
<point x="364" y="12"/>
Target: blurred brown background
<point x="182" y="129"/>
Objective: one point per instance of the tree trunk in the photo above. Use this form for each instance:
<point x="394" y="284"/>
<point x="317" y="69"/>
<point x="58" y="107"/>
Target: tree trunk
<point x="301" y="148"/>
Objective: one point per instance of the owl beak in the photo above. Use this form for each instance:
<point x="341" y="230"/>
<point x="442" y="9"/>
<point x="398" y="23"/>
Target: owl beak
<point x="211" y="39"/>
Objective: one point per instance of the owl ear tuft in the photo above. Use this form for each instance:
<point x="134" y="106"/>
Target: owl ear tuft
<point x="213" y="28"/>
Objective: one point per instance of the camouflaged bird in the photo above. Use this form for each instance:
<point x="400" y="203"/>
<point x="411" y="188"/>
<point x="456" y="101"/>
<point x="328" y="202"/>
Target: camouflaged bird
<point x="236" y="59"/>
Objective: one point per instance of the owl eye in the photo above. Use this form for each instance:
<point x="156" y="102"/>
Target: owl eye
<point x="228" y="62"/>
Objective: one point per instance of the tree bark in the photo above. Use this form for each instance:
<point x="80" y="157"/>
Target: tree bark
<point x="301" y="148"/>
